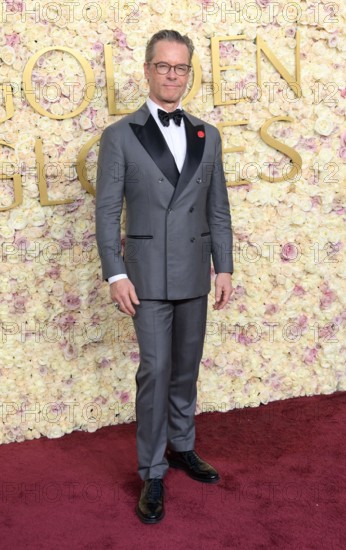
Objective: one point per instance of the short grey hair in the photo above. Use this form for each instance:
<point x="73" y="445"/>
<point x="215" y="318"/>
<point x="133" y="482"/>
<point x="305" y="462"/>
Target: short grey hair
<point x="170" y="36"/>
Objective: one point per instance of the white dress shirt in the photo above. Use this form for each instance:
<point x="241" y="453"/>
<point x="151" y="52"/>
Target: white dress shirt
<point x="176" y="140"/>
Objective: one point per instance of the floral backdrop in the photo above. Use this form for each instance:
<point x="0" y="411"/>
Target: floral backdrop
<point x="68" y="358"/>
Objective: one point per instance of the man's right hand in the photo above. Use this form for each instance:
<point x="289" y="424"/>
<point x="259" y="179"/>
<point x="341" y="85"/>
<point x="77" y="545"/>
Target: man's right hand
<point x="123" y="292"/>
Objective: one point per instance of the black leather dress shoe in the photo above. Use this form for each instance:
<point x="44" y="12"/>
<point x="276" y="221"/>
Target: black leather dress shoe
<point x="150" y="506"/>
<point x="193" y="465"/>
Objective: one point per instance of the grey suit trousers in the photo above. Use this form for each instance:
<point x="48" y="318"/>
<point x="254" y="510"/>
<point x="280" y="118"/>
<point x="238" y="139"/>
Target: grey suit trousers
<point x="170" y="335"/>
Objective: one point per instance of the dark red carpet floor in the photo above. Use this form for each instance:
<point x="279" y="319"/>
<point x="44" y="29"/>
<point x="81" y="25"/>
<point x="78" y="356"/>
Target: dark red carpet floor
<point x="283" y="485"/>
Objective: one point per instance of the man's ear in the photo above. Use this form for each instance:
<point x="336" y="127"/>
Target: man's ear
<point x="146" y="70"/>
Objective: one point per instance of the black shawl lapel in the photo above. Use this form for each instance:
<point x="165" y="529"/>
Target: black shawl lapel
<point x="195" y="141"/>
<point x="155" y="144"/>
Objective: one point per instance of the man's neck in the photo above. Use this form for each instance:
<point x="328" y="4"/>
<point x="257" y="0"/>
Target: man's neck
<point x="169" y="107"/>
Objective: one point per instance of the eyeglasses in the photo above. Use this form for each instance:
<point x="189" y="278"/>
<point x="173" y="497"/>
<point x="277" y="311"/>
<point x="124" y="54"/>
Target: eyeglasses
<point x="164" y="68"/>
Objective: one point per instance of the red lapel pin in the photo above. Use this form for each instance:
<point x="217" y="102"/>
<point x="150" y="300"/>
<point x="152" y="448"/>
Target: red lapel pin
<point x="200" y="134"/>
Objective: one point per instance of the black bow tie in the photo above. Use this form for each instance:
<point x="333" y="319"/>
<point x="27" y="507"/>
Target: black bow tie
<point x="176" y="115"/>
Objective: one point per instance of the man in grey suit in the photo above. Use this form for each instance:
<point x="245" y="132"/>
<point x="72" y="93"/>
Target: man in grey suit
<point x="167" y="165"/>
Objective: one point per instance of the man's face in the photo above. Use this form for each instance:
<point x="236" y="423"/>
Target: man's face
<point x="167" y="89"/>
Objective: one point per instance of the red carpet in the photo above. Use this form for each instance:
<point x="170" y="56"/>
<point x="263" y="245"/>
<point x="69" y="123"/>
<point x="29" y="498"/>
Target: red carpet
<point x="283" y="485"/>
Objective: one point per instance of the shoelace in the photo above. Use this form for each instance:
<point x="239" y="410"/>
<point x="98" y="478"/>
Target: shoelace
<point x="155" y="490"/>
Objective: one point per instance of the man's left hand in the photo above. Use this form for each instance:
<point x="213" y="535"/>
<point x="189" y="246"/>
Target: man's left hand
<point x="223" y="289"/>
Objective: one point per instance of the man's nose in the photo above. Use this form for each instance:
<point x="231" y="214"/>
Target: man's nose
<point x="171" y="73"/>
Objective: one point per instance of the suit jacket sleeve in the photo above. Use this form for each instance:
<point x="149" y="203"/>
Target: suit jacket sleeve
<point x="109" y="202"/>
<point x="219" y="216"/>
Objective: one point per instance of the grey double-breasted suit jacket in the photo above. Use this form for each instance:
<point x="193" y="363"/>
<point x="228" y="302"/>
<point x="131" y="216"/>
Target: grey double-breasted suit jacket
<point x="175" y="222"/>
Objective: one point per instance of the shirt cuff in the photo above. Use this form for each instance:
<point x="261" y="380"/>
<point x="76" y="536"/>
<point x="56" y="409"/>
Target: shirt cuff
<point x="117" y="278"/>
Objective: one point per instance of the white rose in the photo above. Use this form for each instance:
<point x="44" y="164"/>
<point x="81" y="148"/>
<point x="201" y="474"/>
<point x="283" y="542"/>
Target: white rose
<point x="304" y="203"/>
<point x="320" y="71"/>
<point x="8" y="55"/>
<point x="324" y="156"/>
<point x="324" y="126"/>
<point x="57" y="231"/>
<point x="6" y="232"/>
<point x="18" y="219"/>
<point x="158" y="7"/>
<point x="138" y="53"/>
<point x="80" y="226"/>
<point x="298" y="217"/>
<point x="85" y="122"/>
<point x="37" y="218"/>
<point x="54" y="432"/>
<point x="56" y="109"/>
<point x="99" y="121"/>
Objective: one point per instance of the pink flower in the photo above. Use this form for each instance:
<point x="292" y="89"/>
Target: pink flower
<point x="332" y="41"/>
<point x="208" y="363"/>
<point x="271" y="308"/>
<point x="21" y="240"/>
<point x="14" y="6"/>
<point x="309" y="144"/>
<point x="298" y="290"/>
<point x="121" y="37"/>
<point x="67" y="241"/>
<point x="237" y="293"/>
<point x="100" y="400"/>
<point x="339" y="319"/>
<point x="92" y="295"/>
<point x="289" y="252"/>
<point x="328" y="332"/>
<point x="316" y="201"/>
<point x="104" y="363"/>
<point x="69" y="350"/>
<point x="339" y="209"/>
<point x="71" y="301"/>
<point x="310" y="355"/>
<point x="245" y="337"/>
<point x="134" y="356"/>
<point x="242" y="236"/>
<point x="328" y="297"/>
<point x="263" y="3"/>
<point x="95" y="320"/>
<point x="124" y="397"/>
<point x="291" y="32"/>
<point x="72" y="206"/>
<point x="302" y="321"/>
<point x="12" y="39"/>
<point x="228" y="50"/>
<point x="53" y="272"/>
<point x="88" y="240"/>
<point x="342" y="150"/>
<point x="65" y="321"/>
<point x="19" y="303"/>
<point x="98" y="47"/>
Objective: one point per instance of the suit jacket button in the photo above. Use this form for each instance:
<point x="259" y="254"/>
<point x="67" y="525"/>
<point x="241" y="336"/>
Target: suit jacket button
<point x="192" y="239"/>
<point x="199" y="180"/>
<point x="160" y="180"/>
<point x="191" y="209"/>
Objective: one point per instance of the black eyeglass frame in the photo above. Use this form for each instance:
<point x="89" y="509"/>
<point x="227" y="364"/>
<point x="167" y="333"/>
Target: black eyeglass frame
<point x="186" y="71"/>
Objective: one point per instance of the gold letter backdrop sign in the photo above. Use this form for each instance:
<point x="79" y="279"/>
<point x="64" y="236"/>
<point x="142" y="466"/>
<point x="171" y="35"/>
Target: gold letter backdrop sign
<point x="270" y="76"/>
